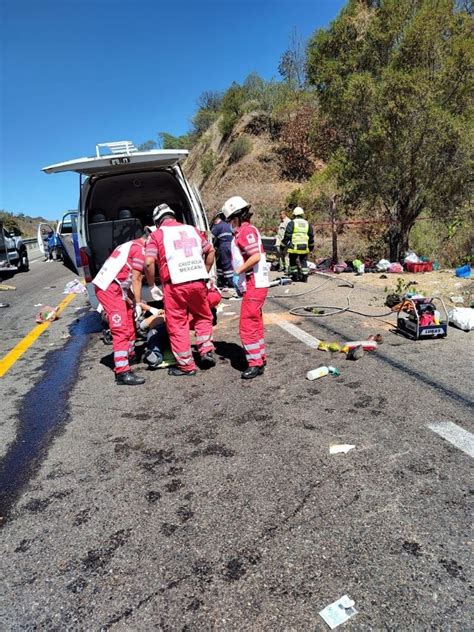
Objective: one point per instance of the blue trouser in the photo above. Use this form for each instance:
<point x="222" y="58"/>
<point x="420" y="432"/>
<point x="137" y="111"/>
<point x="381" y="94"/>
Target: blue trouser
<point x="225" y="270"/>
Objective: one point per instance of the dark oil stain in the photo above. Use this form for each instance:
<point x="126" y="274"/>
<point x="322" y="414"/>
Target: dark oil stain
<point x="168" y="529"/>
<point x="363" y="402"/>
<point x="237" y="567"/>
<point x="123" y="449"/>
<point x="330" y="410"/>
<point x="202" y="569"/>
<point x="23" y="546"/>
<point x="353" y="385"/>
<point x="42" y="412"/>
<point x="309" y="426"/>
<point x="96" y="559"/>
<point x="37" y="505"/>
<point x="184" y="513"/>
<point x="140" y="416"/>
<point x="81" y="517"/>
<point x="453" y="568"/>
<point x="420" y="468"/>
<point x="153" y="496"/>
<point x="214" y="449"/>
<point x="77" y="585"/>
<point x="412" y="547"/>
<point x="175" y="484"/>
<point x="194" y="604"/>
<point x="174" y="471"/>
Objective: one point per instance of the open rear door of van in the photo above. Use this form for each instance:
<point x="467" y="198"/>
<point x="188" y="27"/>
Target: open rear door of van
<point x="67" y="233"/>
<point x="42" y="236"/>
<point x="121" y="156"/>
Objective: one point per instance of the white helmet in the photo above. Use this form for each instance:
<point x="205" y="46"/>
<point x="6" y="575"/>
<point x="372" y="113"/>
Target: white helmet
<point x="233" y="206"/>
<point x="298" y="211"/>
<point x="160" y="211"/>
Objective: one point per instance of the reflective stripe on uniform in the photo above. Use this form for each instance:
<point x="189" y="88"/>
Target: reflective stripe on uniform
<point x="253" y="345"/>
<point x="253" y="356"/>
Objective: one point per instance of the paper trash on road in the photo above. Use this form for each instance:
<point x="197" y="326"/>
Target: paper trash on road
<point x="338" y="448"/>
<point x="338" y="612"/>
<point x="74" y="287"/>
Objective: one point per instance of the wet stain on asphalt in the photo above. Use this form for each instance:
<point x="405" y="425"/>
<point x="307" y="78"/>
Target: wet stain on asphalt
<point x="153" y="496"/>
<point x="42" y="413"/>
<point x="413" y="548"/>
<point x="96" y="559"/>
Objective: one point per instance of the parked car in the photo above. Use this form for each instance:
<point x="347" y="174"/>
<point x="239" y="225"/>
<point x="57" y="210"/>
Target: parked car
<point x="118" y="190"/>
<point x="66" y="233"/>
<point x="13" y="252"/>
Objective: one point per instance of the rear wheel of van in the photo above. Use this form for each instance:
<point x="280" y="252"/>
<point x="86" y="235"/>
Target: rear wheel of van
<point x="24" y="264"/>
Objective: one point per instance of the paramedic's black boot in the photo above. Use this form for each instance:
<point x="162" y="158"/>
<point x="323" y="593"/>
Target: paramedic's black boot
<point x="176" y="372"/>
<point x="128" y="379"/>
<point x="304" y="278"/>
<point x="251" y="372"/>
<point x="208" y="360"/>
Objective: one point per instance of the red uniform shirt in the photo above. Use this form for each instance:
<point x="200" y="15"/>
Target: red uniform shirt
<point x="135" y="261"/>
<point x="247" y="240"/>
<point x="156" y="249"/>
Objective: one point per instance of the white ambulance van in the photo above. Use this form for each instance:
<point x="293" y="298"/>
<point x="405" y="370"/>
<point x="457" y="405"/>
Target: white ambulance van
<point x="118" y="189"/>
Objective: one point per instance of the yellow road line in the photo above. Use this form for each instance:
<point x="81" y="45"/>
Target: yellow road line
<point x="12" y="356"/>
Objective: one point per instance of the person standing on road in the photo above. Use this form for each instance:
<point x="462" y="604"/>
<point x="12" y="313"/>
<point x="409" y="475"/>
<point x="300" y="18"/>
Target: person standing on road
<point x="222" y="238"/>
<point x="117" y="287"/>
<point x="251" y="280"/>
<point x="184" y="258"/>
<point x="299" y="239"/>
<point x="281" y="248"/>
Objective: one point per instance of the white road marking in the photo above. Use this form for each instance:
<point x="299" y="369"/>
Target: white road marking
<point x="456" y="435"/>
<point x="295" y="331"/>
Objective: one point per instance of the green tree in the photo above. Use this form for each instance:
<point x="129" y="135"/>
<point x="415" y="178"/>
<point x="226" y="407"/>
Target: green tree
<point x="147" y="145"/>
<point x="168" y="141"/>
<point x="9" y="222"/>
<point x="394" y="79"/>
<point x="231" y="108"/>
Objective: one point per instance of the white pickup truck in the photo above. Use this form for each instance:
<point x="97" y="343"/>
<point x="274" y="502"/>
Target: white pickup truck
<point x="13" y="252"/>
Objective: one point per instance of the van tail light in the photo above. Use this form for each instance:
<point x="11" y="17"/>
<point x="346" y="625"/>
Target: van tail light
<point x="85" y="265"/>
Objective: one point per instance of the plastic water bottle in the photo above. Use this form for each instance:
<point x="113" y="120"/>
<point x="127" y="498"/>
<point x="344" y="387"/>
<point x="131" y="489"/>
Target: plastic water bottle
<point x="315" y="374"/>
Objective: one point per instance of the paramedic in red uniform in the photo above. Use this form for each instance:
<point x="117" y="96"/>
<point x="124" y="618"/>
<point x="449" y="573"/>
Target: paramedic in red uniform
<point x="123" y="270"/>
<point x="184" y="258"/>
<point x="251" y="280"/>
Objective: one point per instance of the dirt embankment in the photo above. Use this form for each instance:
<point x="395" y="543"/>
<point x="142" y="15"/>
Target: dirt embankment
<point x="256" y="176"/>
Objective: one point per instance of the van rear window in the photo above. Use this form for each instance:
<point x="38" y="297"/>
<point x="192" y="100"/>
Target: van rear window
<point x="139" y="193"/>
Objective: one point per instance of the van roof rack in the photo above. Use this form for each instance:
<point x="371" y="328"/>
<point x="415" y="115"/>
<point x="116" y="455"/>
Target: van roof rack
<point x="118" y="147"/>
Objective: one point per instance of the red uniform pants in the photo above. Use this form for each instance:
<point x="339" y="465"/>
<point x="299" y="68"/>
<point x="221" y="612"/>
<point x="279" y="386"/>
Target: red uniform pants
<point x="122" y="327"/>
<point x="182" y="301"/>
<point x="251" y="323"/>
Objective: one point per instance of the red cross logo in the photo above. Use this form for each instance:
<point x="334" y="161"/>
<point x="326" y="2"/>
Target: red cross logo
<point x="186" y="243"/>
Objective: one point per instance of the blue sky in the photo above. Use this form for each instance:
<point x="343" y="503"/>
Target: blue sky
<point x="75" y="73"/>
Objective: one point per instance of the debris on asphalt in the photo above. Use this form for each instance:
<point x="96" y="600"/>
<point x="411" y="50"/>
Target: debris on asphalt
<point x="456" y="299"/>
<point x="340" y="448"/>
<point x="338" y="612"/>
<point x="4" y="305"/>
<point x="377" y="337"/>
<point x="462" y="317"/>
<point x="49" y="287"/>
<point x="321" y="371"/>
<point x="74" y="287"/>
<point x="356" y="353"/>
<point x="5" y="287"/>
<point x="47" y="314"/>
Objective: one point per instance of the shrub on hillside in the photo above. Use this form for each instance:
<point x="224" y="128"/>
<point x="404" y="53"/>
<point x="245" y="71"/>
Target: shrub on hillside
<point x="208" y="162"/>
<point x="296" y="150"/>
<point x="240" y="148"/>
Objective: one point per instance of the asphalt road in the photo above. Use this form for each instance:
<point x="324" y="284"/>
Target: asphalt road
<point x="209" y="503"/>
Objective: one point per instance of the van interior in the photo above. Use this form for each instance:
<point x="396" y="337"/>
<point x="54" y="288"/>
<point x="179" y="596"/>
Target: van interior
<point x="119" y="207"/>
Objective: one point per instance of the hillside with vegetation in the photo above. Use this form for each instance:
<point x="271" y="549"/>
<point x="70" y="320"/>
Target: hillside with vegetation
<point x="370" y="121"/>
<point x="22" y="224"/>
